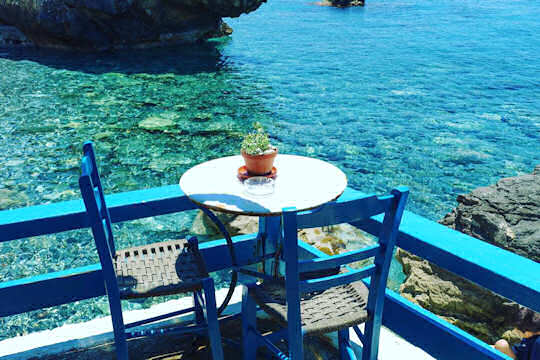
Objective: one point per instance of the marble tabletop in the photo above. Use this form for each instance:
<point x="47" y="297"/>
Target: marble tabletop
<point x="301" y="182"/>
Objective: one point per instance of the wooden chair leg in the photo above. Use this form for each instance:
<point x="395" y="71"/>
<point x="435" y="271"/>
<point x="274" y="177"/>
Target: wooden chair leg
<point x="249" y="325"/>
<point x="211" y="319"/>
<point x="372" y="332"/>
<point x="345" y="349"/>
<point x="118" y="327"/>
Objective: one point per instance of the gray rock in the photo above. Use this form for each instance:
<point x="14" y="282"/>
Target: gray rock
<point x="105" y="24"/>
<point x="10" y="35"/>
<point x="507" y="215"/>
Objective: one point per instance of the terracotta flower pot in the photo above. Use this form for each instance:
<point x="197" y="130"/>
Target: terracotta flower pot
<point x="259" y="164"/>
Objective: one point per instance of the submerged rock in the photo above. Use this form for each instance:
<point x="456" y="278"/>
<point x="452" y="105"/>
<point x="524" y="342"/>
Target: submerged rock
<point x="335" y="239"/>
<point x="235" y="225"/>
<point x="506" y="215"/>
<point x="12" y="199"/>
<point x="157" y="122"/>
<point x="331" y="240"/>
<point x="105" y="24"/>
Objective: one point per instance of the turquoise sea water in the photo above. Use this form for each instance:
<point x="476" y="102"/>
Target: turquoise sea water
<point x="440" y="96"/>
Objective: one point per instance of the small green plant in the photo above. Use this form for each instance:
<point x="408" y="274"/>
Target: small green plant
<point x="256" y="142"/>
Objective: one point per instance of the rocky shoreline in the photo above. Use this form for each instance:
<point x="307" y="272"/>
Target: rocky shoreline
<point x="507" y="215"/>
<point x="91" y="25"/>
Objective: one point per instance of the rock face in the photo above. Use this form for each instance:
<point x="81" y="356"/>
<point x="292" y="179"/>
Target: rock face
<point x="507" y="215"/>
<point x="105" y="24"/>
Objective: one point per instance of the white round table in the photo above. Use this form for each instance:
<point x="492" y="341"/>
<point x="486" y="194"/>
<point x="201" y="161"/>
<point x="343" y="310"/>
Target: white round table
<point x="301" y="182"/>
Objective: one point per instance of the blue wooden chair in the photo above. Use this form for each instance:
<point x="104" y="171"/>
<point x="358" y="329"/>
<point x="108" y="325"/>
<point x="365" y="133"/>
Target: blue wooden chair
<point x="156" y="269"/>
<point x="323" y="295"/>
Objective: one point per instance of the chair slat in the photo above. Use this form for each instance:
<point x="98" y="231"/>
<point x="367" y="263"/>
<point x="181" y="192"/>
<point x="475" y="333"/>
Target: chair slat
<point x="337" y="260"/>
<point x="336" y="280"/>
<point x="346" y="212"/>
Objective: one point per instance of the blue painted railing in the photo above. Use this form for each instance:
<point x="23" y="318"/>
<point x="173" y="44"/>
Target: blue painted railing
<point x="496" y="269"/>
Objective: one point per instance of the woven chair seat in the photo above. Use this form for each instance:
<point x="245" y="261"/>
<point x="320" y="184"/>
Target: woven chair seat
<point x="330" y="310"/>
<point x="157" y="269"/>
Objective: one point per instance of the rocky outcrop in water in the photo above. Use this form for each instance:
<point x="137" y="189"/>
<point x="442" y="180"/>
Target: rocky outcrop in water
<point x="106" y="24"/>
<point x="347" y="3"/>
<point x="506" y="215"/>
<point x="341" y="3"/>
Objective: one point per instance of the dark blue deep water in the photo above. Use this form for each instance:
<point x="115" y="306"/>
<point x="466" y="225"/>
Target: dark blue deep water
<point x="442" y="96"/>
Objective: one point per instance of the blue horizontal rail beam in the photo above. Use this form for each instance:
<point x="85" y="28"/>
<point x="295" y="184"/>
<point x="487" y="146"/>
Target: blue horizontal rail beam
<point x="496" y="269"/>
<point x="81" y="283"/>
<point x="71" y="215"/>
<point x="51" y="289"/>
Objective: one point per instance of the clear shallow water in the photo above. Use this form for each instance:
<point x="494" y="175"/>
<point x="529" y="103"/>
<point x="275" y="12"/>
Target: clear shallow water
<point x="440" y="96"/>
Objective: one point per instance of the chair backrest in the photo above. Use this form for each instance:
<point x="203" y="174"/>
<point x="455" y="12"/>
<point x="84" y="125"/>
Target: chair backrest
<point x="353" y="212"/>
<point x="96" y="209"/>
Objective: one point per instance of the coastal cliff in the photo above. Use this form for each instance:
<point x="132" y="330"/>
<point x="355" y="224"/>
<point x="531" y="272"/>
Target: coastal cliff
<point x="105" y="24"/>
<point x="507" y="215"/>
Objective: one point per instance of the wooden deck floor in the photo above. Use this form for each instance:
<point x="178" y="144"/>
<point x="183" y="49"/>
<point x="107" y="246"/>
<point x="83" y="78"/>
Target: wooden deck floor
<point x="171" y="347"/>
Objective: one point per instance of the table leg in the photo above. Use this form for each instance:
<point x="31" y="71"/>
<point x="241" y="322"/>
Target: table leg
<point x="269" y="240"/>
<point x="234" y="274"/>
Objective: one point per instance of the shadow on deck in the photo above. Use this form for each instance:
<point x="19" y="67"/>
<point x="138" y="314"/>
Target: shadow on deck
<point x="176" y="347"/>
